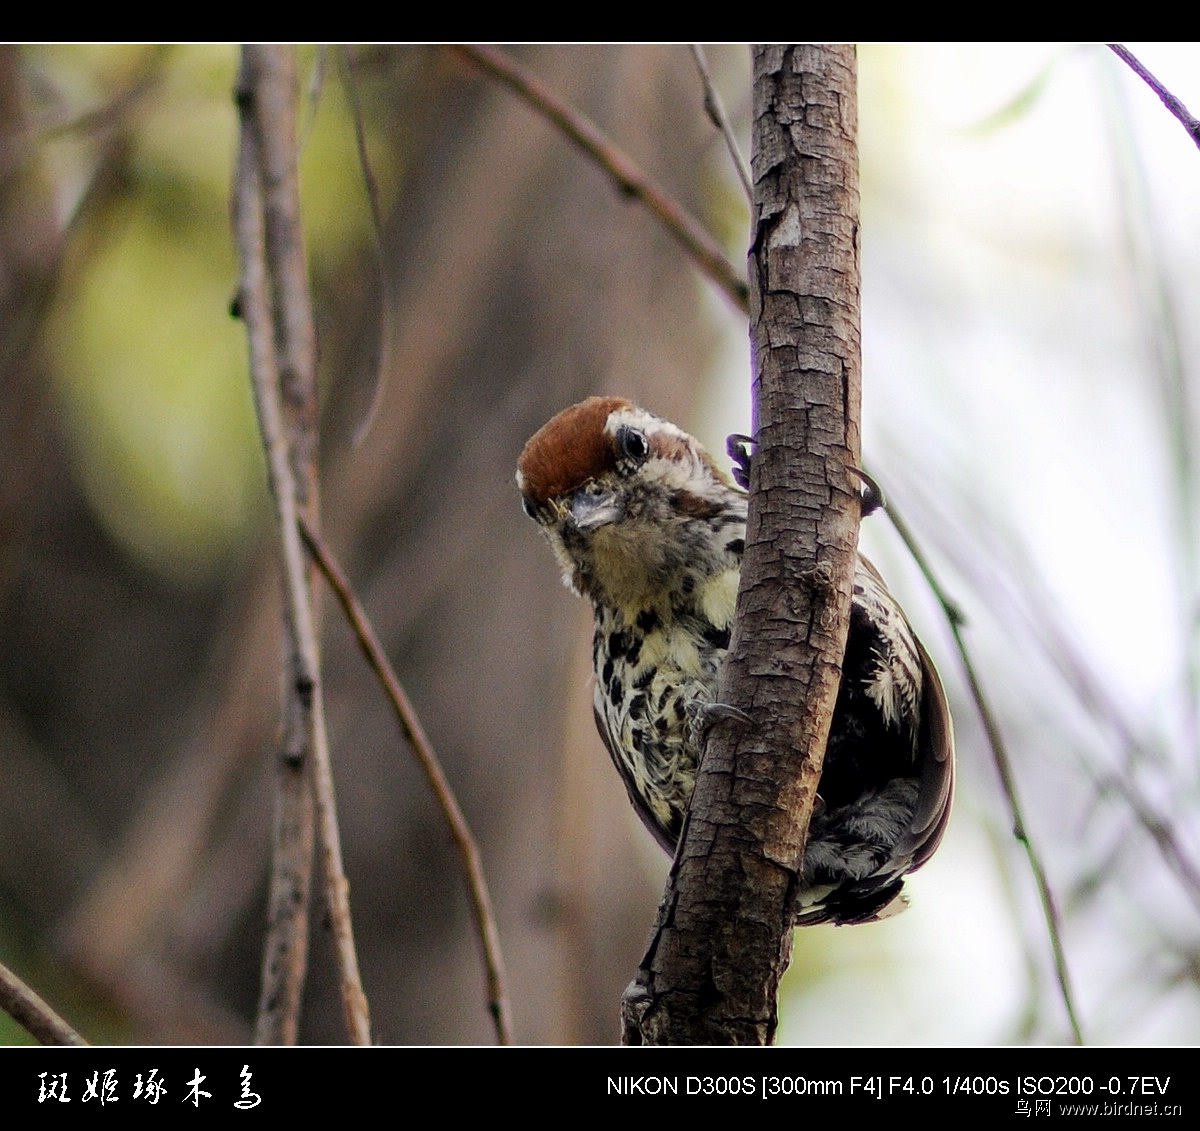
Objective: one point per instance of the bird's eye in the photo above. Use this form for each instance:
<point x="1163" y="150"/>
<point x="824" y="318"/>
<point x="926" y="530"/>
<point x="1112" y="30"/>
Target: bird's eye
<point x="632" y="443"/>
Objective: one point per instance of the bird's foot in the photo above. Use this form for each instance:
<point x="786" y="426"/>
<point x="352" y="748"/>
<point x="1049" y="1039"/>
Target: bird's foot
<point x="871" y="495"/>
<point x="738" y="447"/>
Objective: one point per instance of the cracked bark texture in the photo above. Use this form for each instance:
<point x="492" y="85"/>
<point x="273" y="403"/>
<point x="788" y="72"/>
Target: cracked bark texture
<point x="723" y="936"/>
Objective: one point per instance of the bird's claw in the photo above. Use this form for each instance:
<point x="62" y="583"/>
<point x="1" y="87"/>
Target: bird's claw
<point x="738" y="446"/>
<point x="871" y="495"/>
<point x="702" y="717"/>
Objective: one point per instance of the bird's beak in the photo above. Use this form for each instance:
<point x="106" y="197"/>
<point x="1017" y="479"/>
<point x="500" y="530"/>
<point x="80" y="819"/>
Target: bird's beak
<point x="590" y="510"/>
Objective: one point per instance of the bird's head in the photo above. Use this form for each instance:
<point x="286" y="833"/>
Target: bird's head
<point x="623" y="496"/>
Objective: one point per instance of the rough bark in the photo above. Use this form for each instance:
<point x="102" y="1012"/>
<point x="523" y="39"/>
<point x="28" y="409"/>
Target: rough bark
<point x="723" y="936"/>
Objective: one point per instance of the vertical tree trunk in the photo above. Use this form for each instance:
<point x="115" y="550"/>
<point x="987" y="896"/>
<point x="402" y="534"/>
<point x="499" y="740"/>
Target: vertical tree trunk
<point x="723" y="937"/>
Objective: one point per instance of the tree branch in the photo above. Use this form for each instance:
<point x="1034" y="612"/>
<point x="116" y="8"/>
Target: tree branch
<point x="631" y="181"/>
<point x="468" y="850"/>
<point x="1186" y="119"/>
<point x="1000" y="759"/>
<point x="715" y="110"/>
<point x="27" y="1009"/>
<point x="273" y="300"/>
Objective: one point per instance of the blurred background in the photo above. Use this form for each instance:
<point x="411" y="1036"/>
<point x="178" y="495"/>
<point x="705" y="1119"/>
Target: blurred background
<point x="1030" y="232"/>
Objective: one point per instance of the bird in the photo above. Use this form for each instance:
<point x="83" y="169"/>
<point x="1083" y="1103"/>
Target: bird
<point x="646" y="527"/>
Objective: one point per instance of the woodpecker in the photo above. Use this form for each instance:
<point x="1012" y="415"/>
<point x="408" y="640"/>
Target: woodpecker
<point x="647" y="527"/>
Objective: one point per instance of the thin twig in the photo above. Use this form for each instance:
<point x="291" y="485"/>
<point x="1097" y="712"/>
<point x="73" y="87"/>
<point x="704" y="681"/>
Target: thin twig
<point x="703" y="249"/>
<point x="956" y="620"/>
<point x="716" y="113"/>
<point x="28" y="1010"/>
<point x="1100" y="706"/>
<point x="481" y="904"/>
<point x="1190" y="123"/>
<point x="267" y="223"/>
<point x="1159" y="308"/>
<point x="1161" y="833"/>
<point x="371" y="186"/>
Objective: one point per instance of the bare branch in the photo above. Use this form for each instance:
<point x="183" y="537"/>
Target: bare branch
<point x="716" y="113"/>
<point x="27" y="1009"/>
<point x="273" y="299"/>
<point x="630" y="180"/>
<point x="954" y="618"/>
<point x="1044" y="615"/>
<point x="285" y="952"/>
<point x="1189" y="123"/>
<point x="1072" y="663"/>
<point x="472" y="864"/>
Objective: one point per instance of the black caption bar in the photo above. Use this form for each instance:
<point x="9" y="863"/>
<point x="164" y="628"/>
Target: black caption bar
<point x="250" y="1083"/>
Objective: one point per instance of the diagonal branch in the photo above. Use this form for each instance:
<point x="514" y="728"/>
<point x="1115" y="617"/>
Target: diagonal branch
<point x="955" y="619"/>
<point x="25" y="1007"/>
<point x="1189" y="123"/>
<point x="715" y="110"/>
<point x="460" y="831"/>
<point x="629" y="178"/>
